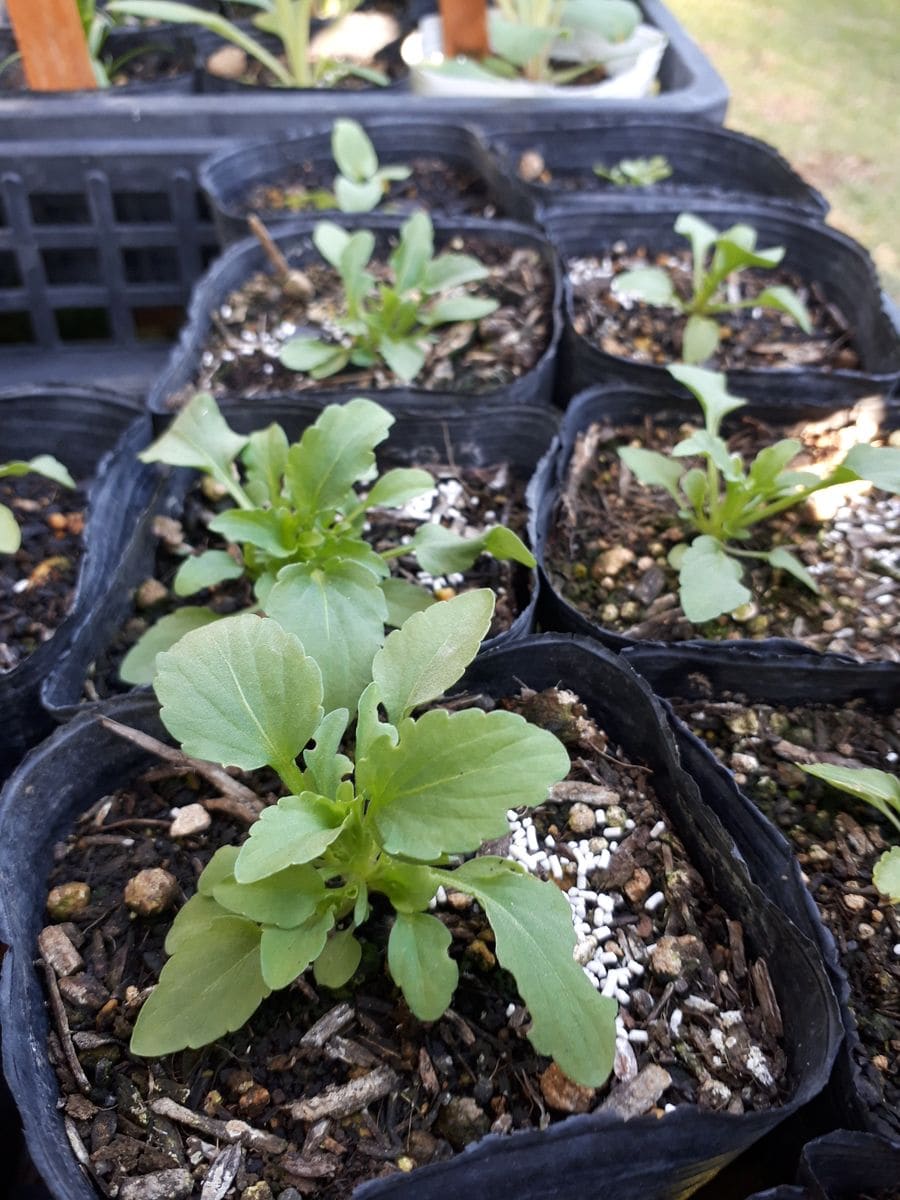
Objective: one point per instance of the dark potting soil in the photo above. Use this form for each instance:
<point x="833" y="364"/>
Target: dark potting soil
<point x="155" y="61"/>
<point x="466" y="500"/>
<point x="37" y="583"/>
<point x="749" y="337"/>
<point x="838" y="840"/>
<point x="435" y="185"/>
<point x="532" y="167"/>
<point x="341" y="1086"/>
<point x="249" y="330"/>
<point x="608" y="551"/>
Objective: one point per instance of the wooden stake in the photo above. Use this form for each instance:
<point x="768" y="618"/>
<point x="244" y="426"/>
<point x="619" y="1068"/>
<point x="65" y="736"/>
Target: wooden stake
<point x="52" y="44"/>
<point x="464" y="24"/>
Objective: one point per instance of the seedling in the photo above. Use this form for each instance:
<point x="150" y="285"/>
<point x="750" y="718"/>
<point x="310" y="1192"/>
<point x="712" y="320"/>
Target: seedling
<point x="297" y="534"/>
<point x="384" y="821"/>
<point x="882" y="791"/>
<point x="733" y="250"/>
<point x="389" y="323"/>
<point x="724" y="502"/>
<point x="43" y="464"/>
<point x="287" y="20"/>
<point x="523" y="34"/>
<point x="636" y="172"/>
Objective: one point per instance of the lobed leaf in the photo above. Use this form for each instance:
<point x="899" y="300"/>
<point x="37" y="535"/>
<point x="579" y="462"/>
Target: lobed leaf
<point x="199" y="437"/>
<point x="205" y="570"/>
<point x="265" y="460"/>
<point x="285" y="899"/>
<point x="334" y="453"/>
<point x="286" y="953"/>
<point x="711" y="391"/>
<point x="709" y="581"/>
<point x="442" y="552"/>
<point x="139" y="664"/>
<point x="420" y="965"/>
<point x="403" y="599"/>
<point x="261" y="527"/>
<point x="399" y="487"/>
<point x="879" y="464"/>
<point x="652" y="468"/>
<point x="325" y="766"/>
<point x="296" y="830"/>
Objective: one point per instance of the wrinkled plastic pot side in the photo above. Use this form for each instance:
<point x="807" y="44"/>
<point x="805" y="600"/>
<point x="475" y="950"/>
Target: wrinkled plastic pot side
<point x="852" y="1099"/>
<point x="621" y="404"/>
<point x="643" y="1159"/>
<point x="816" y="252"/>
<point x="240" y="261"/>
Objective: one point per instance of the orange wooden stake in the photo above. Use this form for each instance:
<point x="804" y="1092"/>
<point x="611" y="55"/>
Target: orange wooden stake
<point x="52" y="44"/>
<point x="464" y="25"/>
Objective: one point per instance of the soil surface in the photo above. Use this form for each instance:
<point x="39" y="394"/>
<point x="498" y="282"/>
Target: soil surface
<point x="837" y="839"/>
<point x="531" y="167"/>
<point x="155" y="62"/>
<point x="607" y="554"/>
<point x="465" y="500"/>
<point x="435" y="184"/>
<point x="749" y="338"/>
<point x="367" y="1090"/>
<point x="240" y="356"/>
<point x="37" y="583"/>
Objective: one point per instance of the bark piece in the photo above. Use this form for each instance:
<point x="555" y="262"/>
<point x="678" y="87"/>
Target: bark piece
<point x="639" y="1094"/>
<point x="347" y="1098"/>
<point x="57" y="950"/>
<point x="161" y="1185"/>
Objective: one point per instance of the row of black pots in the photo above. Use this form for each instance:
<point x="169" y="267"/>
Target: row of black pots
<point x="596" y="1154"/>
<point x="813" y="250"/>
<point x="704" y="159"/>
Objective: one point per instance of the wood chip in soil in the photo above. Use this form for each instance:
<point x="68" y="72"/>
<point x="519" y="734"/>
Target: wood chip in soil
<point x="607" y="554"/>
<point x="750" y="337"/>
<point x="37" y="583"/>
<point x="465" y="500"/>
<point x="837" y="839"/>
<point x="240" y="356"/>
<point x="339" y="1087"/>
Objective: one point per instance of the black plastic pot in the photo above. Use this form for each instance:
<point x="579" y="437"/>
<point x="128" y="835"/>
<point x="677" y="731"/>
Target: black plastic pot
<point x="814" y="251"/>
<point x="229" y="177"/>
<point x="517" y="436"/>
<point x="79" y="427"/>
<point x="626" y="405"/>
<point x="242" y="260"/>
<point x="704" y="160"/>
<point x="853" y="1098"/>
<point x="843" y="1165"/>
<point x="169" y="50"/>
<point x="642" y="1159"/>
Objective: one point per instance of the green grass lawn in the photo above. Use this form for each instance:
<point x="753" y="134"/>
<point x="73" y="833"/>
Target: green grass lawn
<point x="819" y="79"/>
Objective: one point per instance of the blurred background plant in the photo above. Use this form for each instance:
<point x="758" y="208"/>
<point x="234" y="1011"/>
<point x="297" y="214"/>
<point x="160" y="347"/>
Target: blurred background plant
<point x="819" y="81"/>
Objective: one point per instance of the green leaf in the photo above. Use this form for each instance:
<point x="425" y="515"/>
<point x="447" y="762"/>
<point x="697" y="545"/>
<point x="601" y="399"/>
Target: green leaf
<point x="709" y="581"/>
<point x="211" y="986"/>
<point x="532" y="923"/>
<point x="352" y="266"/>
<point x="286" y="953"/>
<point x="766" y="469"/>
<point x="240" y="692"/>
<point x="352" y="150"/>
<point x="695" y="485"/>
<point x="399" y="487"/>
<point x="700" y="339"/>
<point x="265" y="460"/>
<point x="296" y="830"/>
<point x="219" y="868"/>
<point x="445" y="787"/>
<point x="139" y="664"/>
<point x="324" y="764"/>
<point x="262" y="527"/>
<point x="613" y="20"/>
<point x="457" y="308"/>
<point x="420" y="965"/>
<point x="702" y="237"/>
<point x="413" y="252"/>
<point x="711" y="390"/>
<point x="369" y="725"/>
<point x="786" y="300"/>
<point x="354" y="196"/>
<point x="10" y="534"/>
<point x="205" y="570"/>
<point x="877" y="788"/>
<point x="334" y="453"/>
<point x="405" y="357"/>
<point x="193" y="920"/>
<point x="652" y="468"/>
<point x="403" y="599"/>
<point x="442" y="552"/>
<point x="879" y="464"/>
<point x="41" y="464"/>
<point x="517" y="41"/>
<point x="452" y="270"/>
<point x="330" y="240"/>
<point x="338" y="960"/>
<point x="653" y="285"/>
<point x="338" y="612"/>
<point x="886" y="875"/>
<point x="309" y="354"/>
<point x="736" y="249"/>
<point x="198" y="437"/>
<point x="785" y="561"/>
<point x="708" y="445"/>
<point x="285" y="899"/>
<point x="408" y="887"/>
<point x="429" y="654"/>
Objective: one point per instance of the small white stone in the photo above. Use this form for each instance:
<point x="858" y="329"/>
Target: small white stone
<point x="652" y="903"/>
<point x="640" y="1037"/>
<point x="658" y="829"/>
<point x="189" y="821"/>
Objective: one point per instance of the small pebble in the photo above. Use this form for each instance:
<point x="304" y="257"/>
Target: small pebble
<point x="67" y="900"/>
<point x="562" y="1093"/>
<point x="57" y="949"/>
<point x="189" y="821"/>
<point x="652" y="903"/>
<point x="152" y="892"/>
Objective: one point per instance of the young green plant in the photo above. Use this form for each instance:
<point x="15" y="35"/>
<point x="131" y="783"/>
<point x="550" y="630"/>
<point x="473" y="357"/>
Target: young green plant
<point x="733" y="250"/>
<point x="296" y="532"/>
<point x="286" y="20"/>
<point x="882" y="791"/>
<point x="389" y="323"/>
<point x="723" y="501"/>
<point x="384" y="821"/>
<point x="43" y="464"/>
<point x="635" y="172"/>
